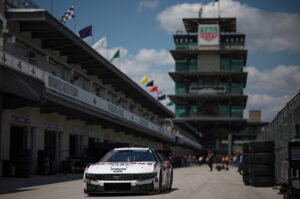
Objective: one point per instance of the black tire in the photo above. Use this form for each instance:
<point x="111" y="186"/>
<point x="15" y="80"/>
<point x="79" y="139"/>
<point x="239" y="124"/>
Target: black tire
<point x="261" y="147"/>
<point x="262" y="158"/>
<point x="246" y="180"/>
<point x="263" y="181"/>
<point x="246" y="148"/>
<point x="247" y="158"/>
<point x="171" y="181"/>
<point x="160" y="183"/>
<point x="246" y="169"/>
<point x="262" y="170"/>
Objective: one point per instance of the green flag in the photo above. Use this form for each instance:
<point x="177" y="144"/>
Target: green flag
<point x="117" y="55"/>
<point x="170" y="103"/>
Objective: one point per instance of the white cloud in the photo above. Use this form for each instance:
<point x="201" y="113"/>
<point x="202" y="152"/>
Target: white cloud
<point x="269" y="90"/>
<point x="153" y="63"/>
<point x="283" y="80"/>
<point x="152" y="4"/>
<point x="265" y="31"/>
<point x="267" y="104"/>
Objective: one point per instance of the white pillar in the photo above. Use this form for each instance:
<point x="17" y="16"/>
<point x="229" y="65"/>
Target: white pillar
<point x="37" y="144"/>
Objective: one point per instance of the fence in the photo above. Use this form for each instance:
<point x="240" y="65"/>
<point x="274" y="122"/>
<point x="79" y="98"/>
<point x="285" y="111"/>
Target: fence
<point x="281" y="130"/>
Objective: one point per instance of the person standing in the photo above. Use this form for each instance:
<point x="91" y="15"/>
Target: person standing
<point x="210" y="157"/>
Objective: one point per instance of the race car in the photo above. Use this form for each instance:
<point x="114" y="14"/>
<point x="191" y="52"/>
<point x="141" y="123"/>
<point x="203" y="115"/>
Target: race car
<point x="129" y="170"/>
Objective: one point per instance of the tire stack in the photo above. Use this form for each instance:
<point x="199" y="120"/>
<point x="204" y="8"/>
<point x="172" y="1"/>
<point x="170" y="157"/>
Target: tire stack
<point x="246" y="164"/>
<point x="258" y="168"/>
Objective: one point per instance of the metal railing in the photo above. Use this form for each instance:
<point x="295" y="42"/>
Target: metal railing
<point x="21" y="4"/>
<point x="72" y="92"/>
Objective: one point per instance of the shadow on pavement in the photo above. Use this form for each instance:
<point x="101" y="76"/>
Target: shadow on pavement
<point x="129" y="194"/>
<point x="13" y="185"/>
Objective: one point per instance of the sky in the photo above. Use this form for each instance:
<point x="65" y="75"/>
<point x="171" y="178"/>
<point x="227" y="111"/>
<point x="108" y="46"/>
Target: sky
<point x="143" y="31"/>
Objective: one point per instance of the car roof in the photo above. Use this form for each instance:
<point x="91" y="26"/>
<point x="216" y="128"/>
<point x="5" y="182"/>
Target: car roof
<point x="132" y="148"/>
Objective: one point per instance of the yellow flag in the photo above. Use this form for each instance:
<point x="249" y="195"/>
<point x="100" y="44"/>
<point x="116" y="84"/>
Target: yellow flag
<point x="144" y="80"/>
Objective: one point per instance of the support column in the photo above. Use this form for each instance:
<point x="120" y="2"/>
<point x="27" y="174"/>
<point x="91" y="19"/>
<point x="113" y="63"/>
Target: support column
<point x="2" y="7"/>
<point x="37" y="144"/>
<point x="1" y="163"/>
<point x="217" y="144"/>
<point x="230" y="144"/>
<point x="64" y="150"/>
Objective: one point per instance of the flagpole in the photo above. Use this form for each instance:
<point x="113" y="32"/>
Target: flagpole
<point x="106" y="52"/>
<point x="51" y="5"/>
<point x="74" y="21"/>
<point x="120" y="61"/>
<point x="219" y="8"/>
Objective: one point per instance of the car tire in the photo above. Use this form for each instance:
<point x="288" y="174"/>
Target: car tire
<point x="261" y="147"/>
<point x="245" y="169"/>
<point x="171" y="181"/>
<point x="263" y="181"/>
<point x="246" y="179"/>
<point x="262" y="170"/>
<point x="262" y="158"/>
<point x="247" y="159"/>
<point x="160" y="183"/>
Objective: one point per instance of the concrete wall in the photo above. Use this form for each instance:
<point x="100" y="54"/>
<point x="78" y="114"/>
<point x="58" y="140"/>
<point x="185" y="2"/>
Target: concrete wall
<point x="254" y="116"/>
<point x="208" y="62"/>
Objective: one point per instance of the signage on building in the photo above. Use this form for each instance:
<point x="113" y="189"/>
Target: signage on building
<point x="208" y="34"/>
<point x="75" y="130"/>
<point x="19" y="119"/>
<point x="52" y="126"/>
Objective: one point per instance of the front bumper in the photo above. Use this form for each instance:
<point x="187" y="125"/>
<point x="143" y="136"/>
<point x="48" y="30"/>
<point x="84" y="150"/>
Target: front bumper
<point x="118" y="187"/>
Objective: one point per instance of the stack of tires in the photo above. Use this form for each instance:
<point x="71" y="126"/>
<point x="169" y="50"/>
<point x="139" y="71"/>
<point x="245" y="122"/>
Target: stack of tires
<point x="246" y="164"/>
<point x="258" y="164"/>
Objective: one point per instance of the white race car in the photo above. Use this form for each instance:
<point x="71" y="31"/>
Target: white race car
<point x="129" y="170"/>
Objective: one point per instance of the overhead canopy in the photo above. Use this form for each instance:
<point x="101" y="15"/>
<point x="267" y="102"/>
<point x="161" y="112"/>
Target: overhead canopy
<point x="226" y="24"/>
<point x="55" y="36"/>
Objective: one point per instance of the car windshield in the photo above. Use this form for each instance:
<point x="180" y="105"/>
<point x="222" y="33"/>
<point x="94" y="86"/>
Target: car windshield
<point x="128" y="156"/>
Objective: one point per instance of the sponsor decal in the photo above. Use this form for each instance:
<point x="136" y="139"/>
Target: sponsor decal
<point x="118" y="170"/>
<point x="157" y="164"/>
<point x="208" y="33"/>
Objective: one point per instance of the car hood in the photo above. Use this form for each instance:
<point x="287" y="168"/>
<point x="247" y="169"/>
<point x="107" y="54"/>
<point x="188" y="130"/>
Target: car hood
<point x="120" y="167"/>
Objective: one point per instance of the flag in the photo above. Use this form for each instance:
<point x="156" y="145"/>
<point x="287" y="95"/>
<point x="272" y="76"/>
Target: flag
<point x="144" y="80"/>
<point x="170" y="103"/>
<point x="214" y="2"/>
<point x="69" y="14"/>
<point x="85" y="32"/>
<point x="101" y="43"/>
<point x="117" y="55"/>
<point x="161" y="96"/>
<point x="154" y="89"/>
<point x="151" y="83"/>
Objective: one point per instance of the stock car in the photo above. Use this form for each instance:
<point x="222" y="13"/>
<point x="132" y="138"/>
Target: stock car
<point x="133" y="170"/>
